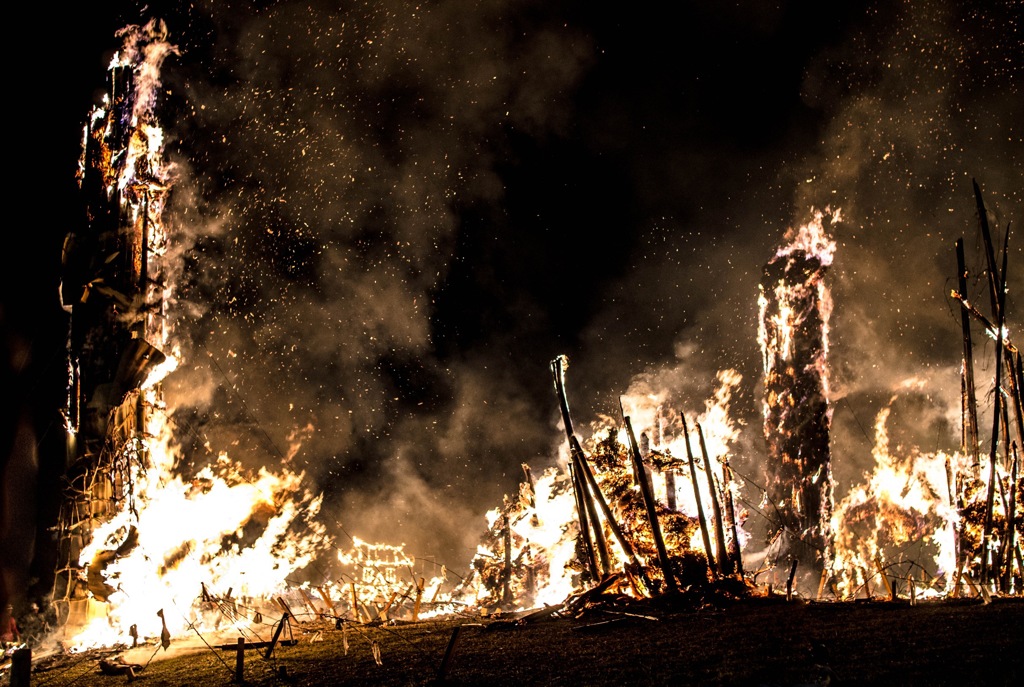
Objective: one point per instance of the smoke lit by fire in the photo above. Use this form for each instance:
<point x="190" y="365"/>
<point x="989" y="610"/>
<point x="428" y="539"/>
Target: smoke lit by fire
<point x="199" y="531"/>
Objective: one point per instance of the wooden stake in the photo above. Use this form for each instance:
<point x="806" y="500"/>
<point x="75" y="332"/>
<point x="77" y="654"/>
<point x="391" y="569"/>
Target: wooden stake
<point x="240" y="660"/>
<point x="309" y="602"/>
<point x="506" y="572"/>
<point x="1011" y="524"/>
<point x="885" y="578"/>
<point x="652" y="515"/>
<point x="356" y="610"/>
<point x="581" y="514"/>
<point x="970" y="401"/>
<point x="579" y="486"/>
<point x="724" y="562"/>
<point x="277" y="635"/>
<point x="384" y="611"/>
<point x="327" y="599"/>
<point x="583" y="467"/>
<point x="730" y="510"/>
<point x="419" y="599"/>
<point x="789" y="581"/>
<point x="449" y="651"/>
<point x="996" y="401"/>
<point x="696" y="493"/>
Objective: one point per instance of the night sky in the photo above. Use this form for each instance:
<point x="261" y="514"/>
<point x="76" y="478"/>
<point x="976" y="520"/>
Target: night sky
<point x="391" y="218"/>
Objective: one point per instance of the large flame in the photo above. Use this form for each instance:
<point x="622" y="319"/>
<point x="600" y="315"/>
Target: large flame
<point x="175" y="541"/>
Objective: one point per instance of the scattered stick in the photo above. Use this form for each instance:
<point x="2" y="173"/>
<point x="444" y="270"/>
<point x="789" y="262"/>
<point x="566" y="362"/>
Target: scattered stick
<point x="277" y="635"/>
<point x="442" y="672"/>
<point x="789" y="581"/>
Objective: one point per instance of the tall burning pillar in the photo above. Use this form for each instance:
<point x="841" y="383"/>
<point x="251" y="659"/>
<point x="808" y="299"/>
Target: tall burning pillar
<point x="793" y="330"/>
<point x="112" y="288"/>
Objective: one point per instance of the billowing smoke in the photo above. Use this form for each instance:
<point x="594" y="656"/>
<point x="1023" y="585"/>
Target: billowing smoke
<point x="348" y="173"/>
<point x="392" y="216"/>
<point x="330" y="158"/>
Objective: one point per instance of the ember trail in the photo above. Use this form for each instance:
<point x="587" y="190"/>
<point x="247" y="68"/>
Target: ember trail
<point x="643" y="503"/>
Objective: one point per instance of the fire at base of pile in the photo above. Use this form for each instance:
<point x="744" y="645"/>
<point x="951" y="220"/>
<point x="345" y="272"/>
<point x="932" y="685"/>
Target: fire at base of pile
<point x="531" y="555"/>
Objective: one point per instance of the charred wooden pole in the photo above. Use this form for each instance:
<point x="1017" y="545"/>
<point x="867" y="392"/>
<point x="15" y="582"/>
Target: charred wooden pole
<point x="506" y="571"/>
<point x="1011" y="524"/>
<point x="649" y="504"/>
<point x="600" y="541"/>
<point x="970" y="403"/>
<point x="581" y="514"/>
<point x="990" y="253"/>
<point x="578" y="483"/>
<point x="696" y="493"/>
<point x="240" y="661"/>
<point x="579" y="459"/>
<point x="730" y="510"/>
<point x="277" y="635"/>
<point x="724" y="561"/>
<point x="997" y="401"/>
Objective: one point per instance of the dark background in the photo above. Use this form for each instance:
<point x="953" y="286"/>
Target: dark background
<point x="392" y="219"/>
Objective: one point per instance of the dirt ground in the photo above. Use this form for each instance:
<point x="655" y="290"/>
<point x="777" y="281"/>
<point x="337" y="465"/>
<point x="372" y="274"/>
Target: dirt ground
<point x="750" y="642"/>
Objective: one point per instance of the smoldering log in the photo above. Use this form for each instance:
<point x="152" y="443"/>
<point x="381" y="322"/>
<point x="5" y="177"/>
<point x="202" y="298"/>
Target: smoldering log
<point x="797" y="416"/>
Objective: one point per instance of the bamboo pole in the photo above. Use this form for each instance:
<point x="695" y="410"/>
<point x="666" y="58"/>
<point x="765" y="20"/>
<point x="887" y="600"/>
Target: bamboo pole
<point x="652" y="515"/>
<point x="1011" y="524"/>
<point x="506" y="572"/>
<point x="583" y="467"/>
<point x="730" y="509"/>
<point x="696" y="492"/>
<point x="600" y="541"/>
<point x="578" y="482"/>
<point x="971" y="409"/>
<point x="724" y="561"/>
<point x="581" y="513"/>
<point x="990" y="255"/>
<point x="997" y="402"/>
